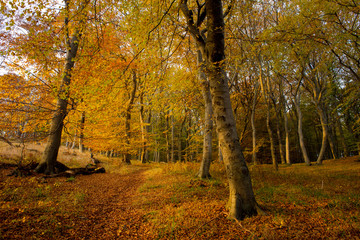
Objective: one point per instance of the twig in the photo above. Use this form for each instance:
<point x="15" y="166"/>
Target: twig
<point x="203" y="226"/>
<point x="239" y="223"/>
<point x="162" y="18"/>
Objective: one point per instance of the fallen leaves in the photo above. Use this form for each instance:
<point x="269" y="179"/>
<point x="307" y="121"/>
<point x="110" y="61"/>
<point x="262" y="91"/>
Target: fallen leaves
<point x="155" y="201"/>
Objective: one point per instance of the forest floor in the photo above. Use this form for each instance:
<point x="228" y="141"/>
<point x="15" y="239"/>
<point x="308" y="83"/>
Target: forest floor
<point x="166" y="201"/>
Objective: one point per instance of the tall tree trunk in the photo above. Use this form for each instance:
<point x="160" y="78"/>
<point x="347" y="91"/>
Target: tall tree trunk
<point x="127" y="155"/>
<point x="180" y="158"/>
<point x="253" y="127"/>
<point x="287" y="137"/>
<point x="81" y="137"/>
<point x="281" y="146"/>
<point x="324" y="128"/>
<point x="278" y="118"/>
<point x="172" y="139"/>
<point x="300" y="132"/>
<point x="167" y="137"/>
<point x="204" y="171"/>
<point x="241" y="200"/>
<point x="47" y="164"/>
<point x="271" y="139"/>
<point x="266" y="93"/>
<point x="143" y="128"/>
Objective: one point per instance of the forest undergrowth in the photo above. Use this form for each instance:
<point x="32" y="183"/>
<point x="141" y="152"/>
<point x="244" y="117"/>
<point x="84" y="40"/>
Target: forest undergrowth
<point x="167" y="201"/>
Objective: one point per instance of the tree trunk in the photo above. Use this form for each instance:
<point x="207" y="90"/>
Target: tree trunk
<point x="281" y="147"/>
<point x="324" y="134"/>
<point x="204" y="171"/>
<point x="278" y="118"/>
<point x="167" y="137"/>
<point x="172" y="139"/>
<point x="74" y="141"/>
<point x="287" y="137"/>
<point x="81" y="137"/>
<point x="253" y="127"/>
<point x="127" y="155"/>
<point x="220" y="156"/>
<point x="242" y="201"/>
<point x="271" y="139"/>
<point x="47" y="164"/>
<point x="180" y="158"/>
<point x="143" y="130"/>
<point x="266" y="90"/>
<point x="300" y="132"/>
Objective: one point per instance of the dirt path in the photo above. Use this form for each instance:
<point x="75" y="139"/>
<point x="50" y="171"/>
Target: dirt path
<point x="108" y="211"/>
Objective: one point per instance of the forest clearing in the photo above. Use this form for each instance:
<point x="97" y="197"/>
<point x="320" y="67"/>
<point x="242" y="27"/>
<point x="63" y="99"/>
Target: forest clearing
<point x="168" y="201"/>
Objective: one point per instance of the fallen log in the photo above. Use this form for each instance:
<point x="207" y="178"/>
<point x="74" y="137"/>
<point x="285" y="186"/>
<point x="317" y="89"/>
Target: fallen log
<point x="72" y="172"/>
<point x="61" y="170"/>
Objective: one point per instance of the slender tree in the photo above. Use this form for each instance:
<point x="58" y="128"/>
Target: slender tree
<point x="204" y="171"/>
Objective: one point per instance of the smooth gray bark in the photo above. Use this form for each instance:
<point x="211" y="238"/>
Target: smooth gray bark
<point x="253" y="127"/>
<point x="287" y="135"/>
<point x="300" y="129"/>
<point x="265" y="90"/>
<point x="127" y="155"/>
<point x="81" y="137"/>
<point x="204" y="171"/>
<point x="242" y="201"/>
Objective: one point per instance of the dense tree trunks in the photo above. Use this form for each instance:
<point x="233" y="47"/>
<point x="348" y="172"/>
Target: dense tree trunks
<point x="332" y="139"/>
<point x="47" y="164"/>
<point x="280" y="110"/>
<point x="265" y="87"/>
<point x="281" y="146"/>
<point x="271" y="138"/>
<point x="300" y="131"/>
<point x="278" y="118"/>
<point x="204" y="171"/>
<point x="345" y="149"/>
<point x="241" y="200"/>
<point x="168" y="152"/>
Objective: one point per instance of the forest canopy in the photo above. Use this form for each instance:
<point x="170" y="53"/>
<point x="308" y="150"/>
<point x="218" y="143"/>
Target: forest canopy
<point x="292" y="68"/>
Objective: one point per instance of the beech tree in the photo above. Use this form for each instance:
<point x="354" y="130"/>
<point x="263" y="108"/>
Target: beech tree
<point x="204" y="171"/>
<point x="49" y="158"/>
<point x="242" y="201"/>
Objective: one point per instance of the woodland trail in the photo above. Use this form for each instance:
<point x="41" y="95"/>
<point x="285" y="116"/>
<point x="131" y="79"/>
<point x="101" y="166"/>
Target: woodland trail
<point x="108" y="209"/>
